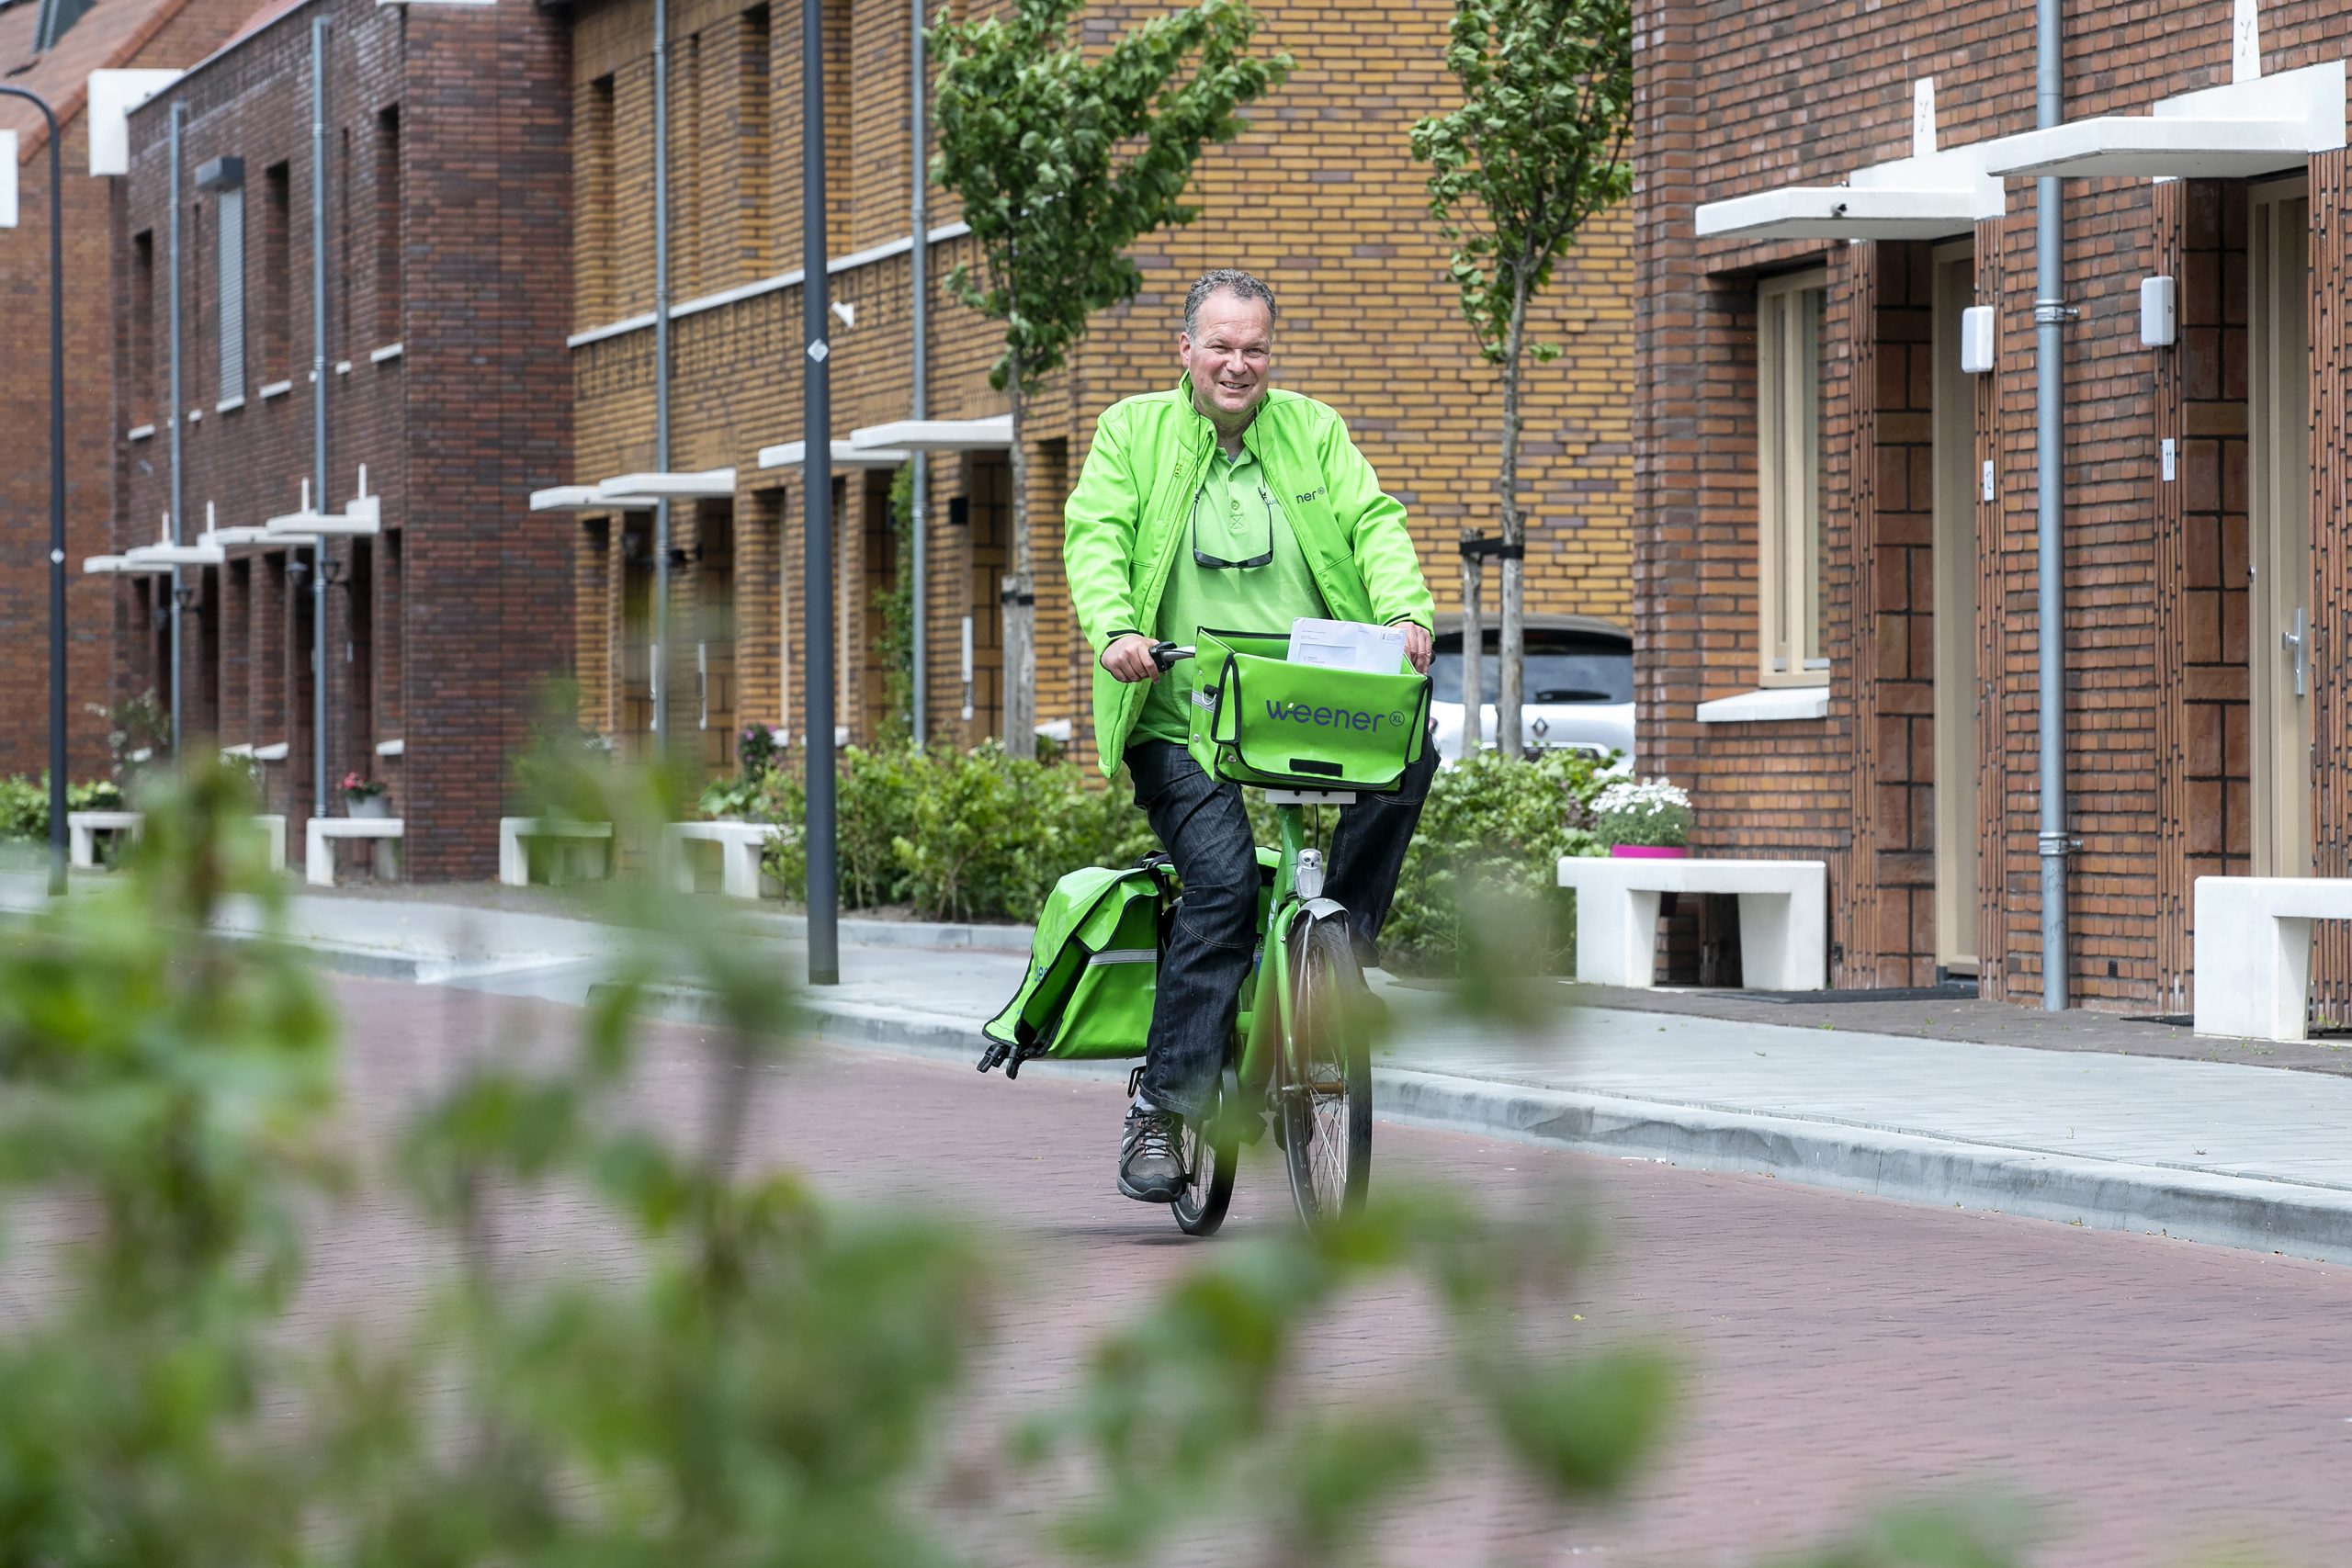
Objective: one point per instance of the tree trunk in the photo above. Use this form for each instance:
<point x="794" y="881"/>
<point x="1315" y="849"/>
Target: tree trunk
<point x="1472" y="656"/>
<point x="1018" y="677"/>
<point x="1508" y="739"/>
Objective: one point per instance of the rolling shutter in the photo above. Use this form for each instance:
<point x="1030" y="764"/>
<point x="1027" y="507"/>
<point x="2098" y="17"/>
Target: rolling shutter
<point x="233" y="294"/>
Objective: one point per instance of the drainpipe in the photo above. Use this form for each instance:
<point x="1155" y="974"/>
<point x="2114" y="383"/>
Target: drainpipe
<point x="319" y="408"/>
<point x="919" y="261"/>
<point x="2050" y="313"/>
<point x="658" y="674"/>
<point x="179" y="419"/>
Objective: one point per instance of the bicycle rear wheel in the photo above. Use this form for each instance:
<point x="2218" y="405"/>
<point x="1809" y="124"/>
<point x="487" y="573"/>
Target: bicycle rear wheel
<point x="1324" y="1076"/>
<point x="1210" y="1148"/>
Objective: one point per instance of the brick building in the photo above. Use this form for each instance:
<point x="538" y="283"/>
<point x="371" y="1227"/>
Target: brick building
<point x="447" y="216"/>
<point x="51" y="47"/>
<point x="1835" y="562"/>
<point x="1320" y="197"/>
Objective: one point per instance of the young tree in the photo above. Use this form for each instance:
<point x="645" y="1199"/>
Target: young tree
<point x="1537" y="147"/>
<point x="1063" y="157"/>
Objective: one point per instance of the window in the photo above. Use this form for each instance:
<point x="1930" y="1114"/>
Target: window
<point x="187" y="266"/>
<point x="230" y="230"/>
<point x="51" y="22"/>
<point x="1788" y="477"/>
<point x="142" y="328"/>
<point x="753" y="113"/>
<point x="686" y="188"/>
<point x="598" y="272"/>
<point x="277" y="273"/>
<point x="388" y="227"/>
<point x="343" y="249"/>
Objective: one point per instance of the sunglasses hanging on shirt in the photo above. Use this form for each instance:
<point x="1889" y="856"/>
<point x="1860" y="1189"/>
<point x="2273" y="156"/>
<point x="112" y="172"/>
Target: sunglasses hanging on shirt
<point x="1246" y="546"/>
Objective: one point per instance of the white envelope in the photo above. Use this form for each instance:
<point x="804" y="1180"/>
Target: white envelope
<point x="1347" y="644"/>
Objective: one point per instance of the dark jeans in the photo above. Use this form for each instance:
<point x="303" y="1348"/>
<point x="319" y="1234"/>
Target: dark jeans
<point x="1207" y="833"/>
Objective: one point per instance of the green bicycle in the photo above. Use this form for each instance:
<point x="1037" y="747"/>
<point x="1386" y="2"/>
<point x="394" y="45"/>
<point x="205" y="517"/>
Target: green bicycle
<point x="1299" y="1056"/>
<point x="1300" y="1050"/>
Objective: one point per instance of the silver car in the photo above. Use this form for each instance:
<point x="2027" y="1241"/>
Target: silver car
<point x="1577" y="691"/>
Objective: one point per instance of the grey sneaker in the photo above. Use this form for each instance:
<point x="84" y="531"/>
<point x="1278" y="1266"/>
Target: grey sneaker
<point x="1151" y="1169"/>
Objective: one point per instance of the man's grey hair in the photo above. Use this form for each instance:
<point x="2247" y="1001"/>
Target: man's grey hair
<point x="1225" y="281"/>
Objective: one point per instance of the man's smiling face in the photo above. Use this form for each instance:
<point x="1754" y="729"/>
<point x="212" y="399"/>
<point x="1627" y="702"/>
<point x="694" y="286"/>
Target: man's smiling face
<point x="1227" y="354"/>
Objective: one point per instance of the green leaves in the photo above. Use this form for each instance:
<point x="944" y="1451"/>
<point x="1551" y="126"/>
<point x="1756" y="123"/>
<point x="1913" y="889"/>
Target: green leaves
<point x="1979" y="1532"/>
<point x="1587" y="1424"/>
<point x="170" y="1085"/>
<point x="1479" y="882"/>
<point x="729" y="1369"/>
<point x="1064" y="156"/>
<point x="1537" y="147"/>
<point x="1218" y="1408"/>
<point x="960" y="834"/>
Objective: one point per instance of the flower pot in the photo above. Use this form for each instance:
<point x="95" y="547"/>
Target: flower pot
<point x="1649" y="851"/>
<point x="370" y="805"/>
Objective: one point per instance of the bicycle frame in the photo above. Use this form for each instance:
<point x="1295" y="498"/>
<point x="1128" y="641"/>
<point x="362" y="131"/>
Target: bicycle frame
<point x="1264" y="1030"/>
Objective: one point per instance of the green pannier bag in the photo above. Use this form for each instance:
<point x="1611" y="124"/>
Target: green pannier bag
<point x="1092" y="964"/>
<point x="1258" y="720"/>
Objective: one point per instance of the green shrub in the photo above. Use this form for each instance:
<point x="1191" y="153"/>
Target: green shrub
<point x="979" y="835"/>
<point x="974" y="835"/>
<point x="24" y="803"/>
<point x="1493" y="828"/>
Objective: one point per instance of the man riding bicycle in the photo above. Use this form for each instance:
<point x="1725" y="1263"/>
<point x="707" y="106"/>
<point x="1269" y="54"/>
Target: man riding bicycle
<point x="1224" y="502"/>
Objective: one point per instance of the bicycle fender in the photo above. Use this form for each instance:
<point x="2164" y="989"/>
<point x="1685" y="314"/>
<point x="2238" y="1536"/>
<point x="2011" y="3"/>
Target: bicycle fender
<point x="1321" y="909"/>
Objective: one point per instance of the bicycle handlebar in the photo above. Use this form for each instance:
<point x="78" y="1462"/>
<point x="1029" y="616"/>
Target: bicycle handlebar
<point x="1166" y="655"/>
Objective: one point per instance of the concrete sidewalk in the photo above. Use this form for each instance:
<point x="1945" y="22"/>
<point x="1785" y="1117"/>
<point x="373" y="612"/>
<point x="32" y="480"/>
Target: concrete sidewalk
<point x="2216" y="1151"/>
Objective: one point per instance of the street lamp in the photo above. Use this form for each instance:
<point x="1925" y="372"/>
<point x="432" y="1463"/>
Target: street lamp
<point x="823" y="887"/>
<point x="56" y="464"/>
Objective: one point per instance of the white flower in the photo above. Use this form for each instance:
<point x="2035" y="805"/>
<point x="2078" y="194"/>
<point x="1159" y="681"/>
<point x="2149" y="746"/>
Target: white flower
<point x="1646" y="797"/>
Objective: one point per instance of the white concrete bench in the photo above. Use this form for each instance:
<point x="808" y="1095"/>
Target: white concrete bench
<point x="83" y="827"/>
<point x="515" y="833"/>
<point x="273" y="828"/>
<point x="318" y="857"/>
<point x="1783" y="917"/>
<point x="741" y="845"/>
<point x="2254" y="950"/>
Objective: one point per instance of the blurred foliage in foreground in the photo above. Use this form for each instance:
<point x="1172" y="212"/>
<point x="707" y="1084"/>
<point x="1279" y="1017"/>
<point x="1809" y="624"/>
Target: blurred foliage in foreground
<point x="773" y="1379"/>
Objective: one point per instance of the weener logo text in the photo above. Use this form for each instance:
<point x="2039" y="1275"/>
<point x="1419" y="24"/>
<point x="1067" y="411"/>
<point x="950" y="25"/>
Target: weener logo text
<point x="1328" y="719"/>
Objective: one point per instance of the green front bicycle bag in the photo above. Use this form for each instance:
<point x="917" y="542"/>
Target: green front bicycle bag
<point x="1258" y="720"/>
<point x="1093" y="963"/>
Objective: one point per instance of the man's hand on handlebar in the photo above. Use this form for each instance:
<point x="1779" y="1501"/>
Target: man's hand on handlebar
<point x="1129" y="659"/>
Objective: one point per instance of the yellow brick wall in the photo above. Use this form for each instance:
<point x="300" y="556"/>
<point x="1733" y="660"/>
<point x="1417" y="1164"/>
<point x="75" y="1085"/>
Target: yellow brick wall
<point x="1319" y="197"/>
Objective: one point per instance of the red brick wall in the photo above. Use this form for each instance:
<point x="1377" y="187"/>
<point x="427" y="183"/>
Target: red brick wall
<point x="1736" y="98"/>
<point x="456" y="252"/>
<point x="126" y="34"/>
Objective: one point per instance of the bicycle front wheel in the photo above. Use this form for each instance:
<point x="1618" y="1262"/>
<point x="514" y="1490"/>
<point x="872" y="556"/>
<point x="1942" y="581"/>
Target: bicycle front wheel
<point x="1211" y="1148"/>
<point x="1324" y="1076"/>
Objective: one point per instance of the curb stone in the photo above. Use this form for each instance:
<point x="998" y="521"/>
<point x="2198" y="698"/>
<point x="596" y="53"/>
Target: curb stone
<point x="2208" y="1207"/>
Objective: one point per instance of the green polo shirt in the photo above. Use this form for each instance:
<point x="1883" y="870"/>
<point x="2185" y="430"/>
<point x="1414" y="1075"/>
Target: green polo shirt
<point x="1234" y="519"/>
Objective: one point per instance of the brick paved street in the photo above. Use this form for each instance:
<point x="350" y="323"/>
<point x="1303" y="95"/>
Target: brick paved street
<point x="2168" y="1396"/>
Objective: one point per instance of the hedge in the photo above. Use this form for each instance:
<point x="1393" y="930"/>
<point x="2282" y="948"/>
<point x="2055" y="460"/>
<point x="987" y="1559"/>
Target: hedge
<point x="979" y="835"/>
<point x="24" y="803"/>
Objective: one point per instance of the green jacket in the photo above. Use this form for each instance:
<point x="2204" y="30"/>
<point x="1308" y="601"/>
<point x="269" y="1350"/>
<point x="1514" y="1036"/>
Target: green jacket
<point x="1125" y="520"/>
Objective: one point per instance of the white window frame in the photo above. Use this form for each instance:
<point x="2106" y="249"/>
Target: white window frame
<point x="1787" y="478"/>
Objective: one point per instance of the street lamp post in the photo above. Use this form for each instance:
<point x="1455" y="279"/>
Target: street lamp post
<point x="56" y="490"/>
<point x="817" y="513"/>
